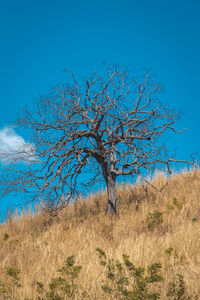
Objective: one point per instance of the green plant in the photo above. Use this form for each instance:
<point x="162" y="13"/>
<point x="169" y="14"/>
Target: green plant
<point x="9" y="287"/>
<point x="171" y="252"/>
<point x="154" y="220"/>
<point x="64" y="286"/>
<point x="14" y="274"/>
<point x="5" y="237"/>
<point x="194" y="219"/>
<point x="125" y="281"/>
<point x="3" y="289"/>
<point x="177" y="289"/>
<point x="40" y="287"/>
<point x="177" y="203"/>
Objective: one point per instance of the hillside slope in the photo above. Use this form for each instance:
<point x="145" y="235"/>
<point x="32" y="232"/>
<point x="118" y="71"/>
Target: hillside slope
<point x="152" y="227"/>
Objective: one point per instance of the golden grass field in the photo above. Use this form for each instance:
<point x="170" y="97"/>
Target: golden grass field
<point x="38" y="245"/>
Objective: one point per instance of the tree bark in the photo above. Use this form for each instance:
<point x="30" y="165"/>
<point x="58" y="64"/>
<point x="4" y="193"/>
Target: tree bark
<point x="110" y="179"/>
<point x="112" y="196"/>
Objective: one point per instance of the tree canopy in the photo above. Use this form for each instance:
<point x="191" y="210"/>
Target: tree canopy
<point x="102" y="128"/>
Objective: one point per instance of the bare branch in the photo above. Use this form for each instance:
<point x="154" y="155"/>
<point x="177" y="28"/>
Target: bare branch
<point x="112" y="123"/>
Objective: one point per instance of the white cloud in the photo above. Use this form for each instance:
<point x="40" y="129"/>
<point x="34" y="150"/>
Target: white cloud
<point x="13" y="147"/>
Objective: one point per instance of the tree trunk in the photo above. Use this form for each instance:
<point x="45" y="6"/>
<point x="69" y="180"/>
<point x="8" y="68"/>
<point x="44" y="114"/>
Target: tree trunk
<point x="110" y="179"/>
<point x="112" y="196"/>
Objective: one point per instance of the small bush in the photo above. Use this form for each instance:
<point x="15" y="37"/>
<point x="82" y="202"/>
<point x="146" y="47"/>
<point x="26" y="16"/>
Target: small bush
<point x="177" y="203"/>
<point x="64" y="286"/>
<point x="5" y="237"/>
<point x="125" y="281"/>
<point x="3" y="289"/>
<point x="14" y="274"/>
<point x="10" y="285"/>
<point x="154" y="220"/>
<point x="171" y="252"/>
<point x="177" y="289"/>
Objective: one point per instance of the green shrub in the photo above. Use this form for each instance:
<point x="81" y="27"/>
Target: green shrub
<point x="9" y="287"/>
<point x="14" y="274"/>
<point x="177" y="289"/>
<point x="5" y="237"/>
<point x="171" y="252"/>
<point x="3" y="289"/>
<point x="64" y="286"/>
<point x="177" y="203"/>
<point x="125" y="281"/>
<point x="154" y="220"/>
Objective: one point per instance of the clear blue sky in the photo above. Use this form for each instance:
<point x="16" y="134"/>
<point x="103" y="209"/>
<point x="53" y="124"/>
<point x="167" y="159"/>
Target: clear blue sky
<point x="42" y="37"/>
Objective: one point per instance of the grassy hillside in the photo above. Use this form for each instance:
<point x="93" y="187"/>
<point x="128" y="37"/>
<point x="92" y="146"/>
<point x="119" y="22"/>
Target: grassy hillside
<point x="152" y="228"/>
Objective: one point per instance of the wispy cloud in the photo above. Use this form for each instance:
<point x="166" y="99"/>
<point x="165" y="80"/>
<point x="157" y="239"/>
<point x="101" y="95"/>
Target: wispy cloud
<point x="13" y="147"/>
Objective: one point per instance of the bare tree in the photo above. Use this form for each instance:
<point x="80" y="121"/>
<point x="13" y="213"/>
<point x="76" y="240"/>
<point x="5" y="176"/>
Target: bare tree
<point x="106" y="127"/>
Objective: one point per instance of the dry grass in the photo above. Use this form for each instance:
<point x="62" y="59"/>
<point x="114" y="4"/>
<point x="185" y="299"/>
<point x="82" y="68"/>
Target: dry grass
<point x="38" y="245"/>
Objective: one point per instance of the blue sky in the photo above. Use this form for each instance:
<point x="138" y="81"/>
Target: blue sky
<point x="41" y="38"/>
